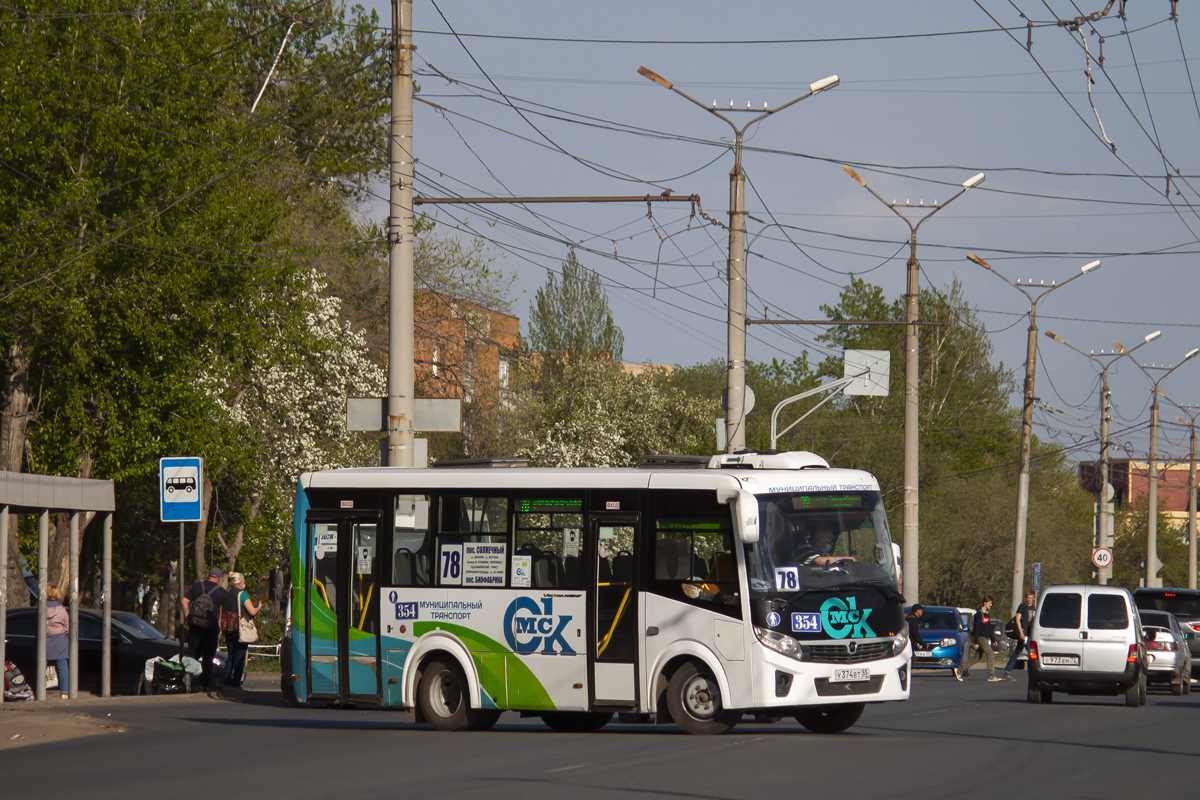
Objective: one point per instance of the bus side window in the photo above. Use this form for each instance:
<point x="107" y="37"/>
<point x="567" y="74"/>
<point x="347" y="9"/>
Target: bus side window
<point x="553" y="540"/>
<point x="410" y="550"/>
<point x="694" y="560"/>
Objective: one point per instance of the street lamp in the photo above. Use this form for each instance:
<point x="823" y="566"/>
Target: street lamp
<point x="1104" y="537"/>
<point x="912" y="585"/>
<point x="1191" y="488"/>
<point x="735" y="429"/>
<point x="1152" y="493"/>
<point x="1039" y="291"/>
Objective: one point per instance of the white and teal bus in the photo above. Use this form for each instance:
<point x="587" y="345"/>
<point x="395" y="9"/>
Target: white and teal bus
<point x="682" y="592"/>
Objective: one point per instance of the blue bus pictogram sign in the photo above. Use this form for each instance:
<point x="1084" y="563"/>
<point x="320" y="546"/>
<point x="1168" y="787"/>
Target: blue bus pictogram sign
<point x="180" y="481"/>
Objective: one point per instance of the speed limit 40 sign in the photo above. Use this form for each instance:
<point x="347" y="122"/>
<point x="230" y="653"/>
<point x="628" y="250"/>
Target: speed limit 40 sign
<point x="1102" y="557"/>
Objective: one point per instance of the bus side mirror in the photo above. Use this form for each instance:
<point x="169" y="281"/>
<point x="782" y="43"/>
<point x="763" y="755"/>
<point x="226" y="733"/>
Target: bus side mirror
<point x="747" y="512"/>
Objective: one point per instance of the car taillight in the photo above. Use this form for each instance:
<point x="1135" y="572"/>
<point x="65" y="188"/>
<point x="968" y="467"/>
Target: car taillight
<point x="1157" y="645"/>
<point x="1032" y="648"/>
<point x="1132" y="657"/>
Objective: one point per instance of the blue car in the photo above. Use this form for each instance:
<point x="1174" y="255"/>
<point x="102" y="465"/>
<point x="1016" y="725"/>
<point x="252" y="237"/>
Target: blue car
<point x="943" y="628"/>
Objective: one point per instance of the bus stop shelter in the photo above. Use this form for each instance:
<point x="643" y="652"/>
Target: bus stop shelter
<point x="23" y="493"/>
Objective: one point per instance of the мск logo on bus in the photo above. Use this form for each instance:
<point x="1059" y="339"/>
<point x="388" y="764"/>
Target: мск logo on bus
<point x="527" y="627"/>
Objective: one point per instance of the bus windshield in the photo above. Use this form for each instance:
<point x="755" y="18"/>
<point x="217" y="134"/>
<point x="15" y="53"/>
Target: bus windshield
<point x="819" y="540"/>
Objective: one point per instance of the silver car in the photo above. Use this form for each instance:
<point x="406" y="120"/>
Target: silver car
<point x="1167" y="653"/>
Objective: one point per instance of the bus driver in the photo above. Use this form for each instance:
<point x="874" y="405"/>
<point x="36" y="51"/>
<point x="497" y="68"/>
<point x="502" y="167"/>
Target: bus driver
<point x="819" y="548"/>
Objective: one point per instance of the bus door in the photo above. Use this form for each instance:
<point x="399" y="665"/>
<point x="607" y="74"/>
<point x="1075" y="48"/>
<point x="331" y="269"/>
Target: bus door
<point x="614" y="609"/>
<point x="343" y="608"/>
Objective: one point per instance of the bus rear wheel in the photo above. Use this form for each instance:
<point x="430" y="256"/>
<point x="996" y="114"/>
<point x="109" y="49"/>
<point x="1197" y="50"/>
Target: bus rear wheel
<point x="576" y="721"/>
<point x="444" y="698"/>
<point x="694" y="700"/>
<point x="830" y="719"/>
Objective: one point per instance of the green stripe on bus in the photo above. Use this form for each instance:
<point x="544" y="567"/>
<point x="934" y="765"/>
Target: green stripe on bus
<point x="500" y="669"/>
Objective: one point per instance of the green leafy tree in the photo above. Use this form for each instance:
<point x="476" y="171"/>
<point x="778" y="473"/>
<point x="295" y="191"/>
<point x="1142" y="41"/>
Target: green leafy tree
<point x="144" y="221"/>
<point x="570" y="318"/>
<point x="610" y="418"/>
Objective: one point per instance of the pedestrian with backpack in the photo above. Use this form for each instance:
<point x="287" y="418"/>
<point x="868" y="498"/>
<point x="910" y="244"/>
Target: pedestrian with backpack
<point x="201" y="604"/>
<point x="1020" y="622"/>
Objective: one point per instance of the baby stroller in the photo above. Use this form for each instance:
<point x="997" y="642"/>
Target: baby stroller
<point x="16" y="688"/>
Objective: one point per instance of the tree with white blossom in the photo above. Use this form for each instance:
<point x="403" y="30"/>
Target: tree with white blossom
<point x="287" y="402"/>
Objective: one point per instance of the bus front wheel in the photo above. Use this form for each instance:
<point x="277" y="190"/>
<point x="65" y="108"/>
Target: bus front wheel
<point x="694" y="700"/>
<point x="830" y="719"/>
<point x="445" y="699"/>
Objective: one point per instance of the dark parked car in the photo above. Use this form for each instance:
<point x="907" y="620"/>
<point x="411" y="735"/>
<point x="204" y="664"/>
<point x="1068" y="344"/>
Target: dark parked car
<point x="1185" y="605"/>
<point x="133" y="642"/>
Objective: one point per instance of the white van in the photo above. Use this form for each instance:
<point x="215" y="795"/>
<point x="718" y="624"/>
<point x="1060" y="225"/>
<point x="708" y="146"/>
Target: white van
<point x="1087" y="640"/>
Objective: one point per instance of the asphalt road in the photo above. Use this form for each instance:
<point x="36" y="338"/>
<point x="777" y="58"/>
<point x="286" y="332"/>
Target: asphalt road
<point x="950" y="739"/>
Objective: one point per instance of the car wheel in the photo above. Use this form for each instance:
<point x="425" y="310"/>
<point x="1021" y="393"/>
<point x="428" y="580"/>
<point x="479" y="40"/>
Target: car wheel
<point x="1037" y="694"/>
<point x="830" y="719"/>
<point x="694" y="700"/>
<point x="1135" y="695"/>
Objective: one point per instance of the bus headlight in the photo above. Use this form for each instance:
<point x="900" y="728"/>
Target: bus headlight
<point x="779" y="642"/>
<point x="899" y="642"/>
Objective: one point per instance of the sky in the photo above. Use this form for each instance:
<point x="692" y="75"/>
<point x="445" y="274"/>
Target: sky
<point x="1075" y="122"/>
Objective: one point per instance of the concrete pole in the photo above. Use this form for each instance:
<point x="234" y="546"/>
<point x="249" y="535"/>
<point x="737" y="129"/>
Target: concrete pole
<point x="1192" y="509"/>
<point x="39" y="665"/>
<point x="912" y="421"/>
<point x="72" y="689"/>
<point x="3" y="585"/>
<point x="735" y="415"/>
<point x="401" y="410"/>
<point x="1018" y="573"/>
<point x="1103" y="538"/>
<point x="1152" y="494"/>
<point x="106" y="608"/>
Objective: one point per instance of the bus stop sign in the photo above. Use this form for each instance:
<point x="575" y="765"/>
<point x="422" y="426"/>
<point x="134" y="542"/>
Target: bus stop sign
<point x="180" y="484"/>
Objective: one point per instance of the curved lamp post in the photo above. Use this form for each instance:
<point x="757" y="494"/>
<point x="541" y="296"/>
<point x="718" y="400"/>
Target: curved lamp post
<point x="1034" y="293"/>
<point x="1190" y="421"/>
<point x="912" y="542"/>
<point x="1152" y="492"/>
<point x="735" y="428"/>
<point x="1105" y="360"/>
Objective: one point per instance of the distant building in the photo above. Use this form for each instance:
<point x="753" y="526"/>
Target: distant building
<point x="1130" y="480"/>
<point x="642" y="369"/>
<point x="462" y="349"/>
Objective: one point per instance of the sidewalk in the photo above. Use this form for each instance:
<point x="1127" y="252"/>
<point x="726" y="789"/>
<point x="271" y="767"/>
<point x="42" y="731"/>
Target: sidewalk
<point x="55" y="719"/>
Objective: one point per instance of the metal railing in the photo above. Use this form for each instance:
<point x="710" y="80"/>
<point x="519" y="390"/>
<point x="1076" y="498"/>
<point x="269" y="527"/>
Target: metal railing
<point x="262" y="651"/>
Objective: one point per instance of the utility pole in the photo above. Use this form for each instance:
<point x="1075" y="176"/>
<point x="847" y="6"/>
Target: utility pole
<point x="1041" y="290"/>
<point x="1152" y="580"/>
<point x="735" y="417"/>
<point x="912" y="375"/>
<point x="401" y="399"/>
<point x="1104" y="537"/>
<point x="1191" y="489"/>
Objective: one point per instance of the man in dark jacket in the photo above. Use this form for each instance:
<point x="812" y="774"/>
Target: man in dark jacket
<point x="914" y="628"/>
<point x="204" y="635"/>
<point x="981" y="641"/>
